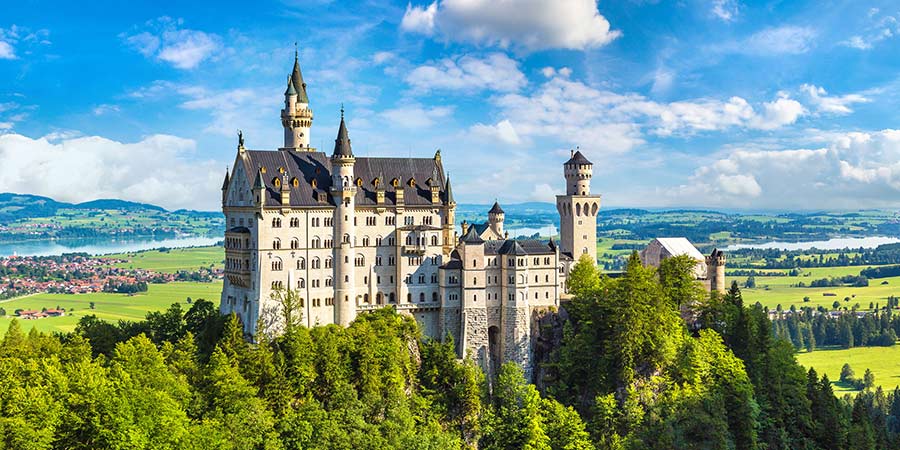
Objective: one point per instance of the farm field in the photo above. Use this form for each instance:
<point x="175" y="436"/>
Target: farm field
<point x="173" y="260"/>
<point x="111" y="307"/>
<point x="772" y="291"/>
<point x="884" y="362"/>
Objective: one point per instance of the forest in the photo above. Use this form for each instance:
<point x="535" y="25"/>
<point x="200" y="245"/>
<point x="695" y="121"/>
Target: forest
<point x="647" y="360"/>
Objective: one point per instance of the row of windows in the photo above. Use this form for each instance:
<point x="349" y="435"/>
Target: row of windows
<point x="516" y="262"/>
<point x="328" y="221"/>
<point x="359" y="261"/>
<point x="329" y="243"/>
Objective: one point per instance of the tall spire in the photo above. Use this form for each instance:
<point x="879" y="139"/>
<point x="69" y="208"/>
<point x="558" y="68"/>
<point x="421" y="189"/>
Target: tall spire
<point x="297" y="79"/>
<point x="449" y="192"/>
<point x="290" y="88"/>
<point x="342" y="143"/>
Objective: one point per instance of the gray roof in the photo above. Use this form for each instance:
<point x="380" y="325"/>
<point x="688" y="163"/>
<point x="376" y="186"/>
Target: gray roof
<point x="290" y="88"/>
<point x="316" y="166"/>
<point x="472" y="236"/>
<point x="480" y="227"/>
<point x="449" y="191"/>
<point x="227" y="179"/>
<point x="496" y="209"/>
<point x="578" y="158"/>
<point x="518" y="247"/>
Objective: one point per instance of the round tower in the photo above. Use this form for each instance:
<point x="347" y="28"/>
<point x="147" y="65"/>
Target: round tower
<point x="495" y="218"/>
<point x="578" y="171"/>
<point x="343" y="191"/>
<point x="715" y="271"/>
<point x="296" y="117"/>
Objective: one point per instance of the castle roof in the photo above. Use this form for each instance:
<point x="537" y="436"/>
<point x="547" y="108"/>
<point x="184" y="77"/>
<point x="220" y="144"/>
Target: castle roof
<point x="496" y="209"/>
<point x="518" y="247"/>
<point x="472" y="237"/>
<point x="297" y="81"/>
<point x="578" y="158"/>
<point x="315" y="168"/>
<point x="677" y="246"/>
<point x="290" y="87"/>
<point x="342" y="142"/>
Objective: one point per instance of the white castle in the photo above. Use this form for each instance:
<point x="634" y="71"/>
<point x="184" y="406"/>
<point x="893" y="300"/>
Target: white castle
<point x="354" y="234"/>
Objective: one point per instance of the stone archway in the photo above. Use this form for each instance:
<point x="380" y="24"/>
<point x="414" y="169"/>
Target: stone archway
<point x="494" y="350"/>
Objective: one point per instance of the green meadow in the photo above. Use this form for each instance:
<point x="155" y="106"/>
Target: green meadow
<point x="884" y="362"/>
<point x="172" y="260"/>
<point x="772" y="291"/>
<point x="111" y="307"/>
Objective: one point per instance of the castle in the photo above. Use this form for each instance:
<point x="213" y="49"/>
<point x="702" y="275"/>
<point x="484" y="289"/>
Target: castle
<point x="353" y="234"/>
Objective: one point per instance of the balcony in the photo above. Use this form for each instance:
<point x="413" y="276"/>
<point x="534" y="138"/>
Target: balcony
<point x="415" y="249"/>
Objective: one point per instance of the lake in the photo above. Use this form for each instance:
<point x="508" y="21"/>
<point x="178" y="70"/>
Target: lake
<point x="100" y="246"/>
<point x="831" y="244"/>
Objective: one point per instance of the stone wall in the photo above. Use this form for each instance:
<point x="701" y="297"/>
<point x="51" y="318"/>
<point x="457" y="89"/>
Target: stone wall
<point x="517" y="338"/>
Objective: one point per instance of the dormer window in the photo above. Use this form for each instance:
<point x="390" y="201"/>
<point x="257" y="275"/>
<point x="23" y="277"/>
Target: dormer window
<point x="281" y="170"/>
<point x="412" y="182"/>
<point x="376" y="182"/>
<point x="359" y="182"/>
<point x="262" y="169"/>
<point x="276" y="182"/>
<point x="395" y="183"/>
<point x="314" y="183"/>
<point x="295" y="182"/>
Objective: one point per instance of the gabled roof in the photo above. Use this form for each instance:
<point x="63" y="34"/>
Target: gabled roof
<point x="578" y="158"/>
<point x="227" y="179"/>
<point x="258" y="183"/>
<point x="496" y="209"/>
<point x="472" y="237"/>
<point x="677" y="246"/>
<point x="518" y="247"/>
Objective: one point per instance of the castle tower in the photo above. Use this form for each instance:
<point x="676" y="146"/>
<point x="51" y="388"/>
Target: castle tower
<point x="343" y="190"/>
<point x="578" y="209"/>
<point x="296" y="117"/>
<point x="715" y="271"/>
<point x="473" y="303"/>
<point x="495" y="219"/>
<point x="449" y="234"/>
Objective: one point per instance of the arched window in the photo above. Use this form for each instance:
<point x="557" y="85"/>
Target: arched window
<point x="276" y="222"/>
<point x="360" y="261"/>
<point x="434" y="240"/>
<point x="329" y="282"/>
<point x="365" y="241"/>
<point x="434" y="296"/>
<point x="301" y="283"/>
<point x="346" y="238"/>
<point x="301" y="264"/>
<point x="276" y="264"/>
<point x="316" y="263"/>
<point x="329" y="263"/>
<point x="409" y="239"/>
<point x="295" y="244"/>
<point x="316" y="243"/>
<point x="276" y="244"/>
<point x="378" y="298"/>
<point x="392" y="299"/>
<point x="421" y="297"/>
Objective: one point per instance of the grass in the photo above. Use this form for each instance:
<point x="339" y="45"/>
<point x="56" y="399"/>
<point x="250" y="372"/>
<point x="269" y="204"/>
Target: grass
<point x="173" y="260"/>
<point x="111" y="307"/>
<point x="884" y="362"/>
<point x="772" y="291"/>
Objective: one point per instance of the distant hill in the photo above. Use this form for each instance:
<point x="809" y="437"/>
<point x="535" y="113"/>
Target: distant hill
<point x="23" y="206"/>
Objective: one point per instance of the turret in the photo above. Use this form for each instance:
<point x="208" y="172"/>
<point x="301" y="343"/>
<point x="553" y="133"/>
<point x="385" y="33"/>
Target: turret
<point x="495" y="219"/>
<point x="343" y="191"/>
<point x="285" y="191"/>
<point x="296" y="117"/>
<point x="259" y="190"/>
<point x="578" y="171"/>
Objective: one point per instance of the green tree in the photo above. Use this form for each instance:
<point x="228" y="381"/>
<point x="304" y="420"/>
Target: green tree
<point x="868" y="379"/>
<point x="515" y="420"/>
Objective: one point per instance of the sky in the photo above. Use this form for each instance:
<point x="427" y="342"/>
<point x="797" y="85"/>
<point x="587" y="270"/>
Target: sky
<point x="730" y="104"/>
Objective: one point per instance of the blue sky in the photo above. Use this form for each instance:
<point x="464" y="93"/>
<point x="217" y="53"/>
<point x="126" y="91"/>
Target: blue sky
<point x="692" y="103"/>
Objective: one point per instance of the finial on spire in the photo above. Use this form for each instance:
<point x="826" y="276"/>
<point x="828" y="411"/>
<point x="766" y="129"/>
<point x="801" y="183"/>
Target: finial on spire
<point x="342" y="110"/>
<point x="240" y="140"/>
<point x="296" y="52"/>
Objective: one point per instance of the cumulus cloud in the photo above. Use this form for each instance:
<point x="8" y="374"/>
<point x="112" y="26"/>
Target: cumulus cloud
<point x="526" y="24"/>
<point x="880" y="28"/>
<point x="159" y="169"/>
<point x="166" y="41"/>
<point x="850" y="170"/>
<point x="502" y="131"/>
<point x="823" y="102"/>
<point x="602" y="121"/>
<point x="496" y="72"/>
<point x="14" y="35"/>
<point x="6" y="51"/>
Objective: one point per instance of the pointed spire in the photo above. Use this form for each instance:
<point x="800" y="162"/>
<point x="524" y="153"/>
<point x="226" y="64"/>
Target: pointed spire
<point x="297" y="79"/>
<point x="472" y="237"/>
<point x="449" y="192"/>
<point x="227" y="179"/>
<point x="290" y="88"/>
<point x="496" y="209"/>
<point x="342" y="143"/>
<point x="258" y="182"/>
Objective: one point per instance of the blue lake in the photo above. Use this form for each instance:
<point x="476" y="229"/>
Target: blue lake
<point x="99" y="246"/>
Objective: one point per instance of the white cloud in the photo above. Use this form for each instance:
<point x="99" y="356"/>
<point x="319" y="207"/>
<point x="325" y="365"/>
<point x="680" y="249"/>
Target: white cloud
<point x="100" y="110"/>
<point x="525" y="24"/>
<point x="880" y="28"/>
<point x="415" y="116"/>
<point x="602" y="121"/>
<point x="726" y="10"/>
<point x="783" y="40"/>
<point x="503" y="131"/>
<point x="159" y="169"/>
<point x="852" y="169"/>
<point x="6" y="51"/>
<point x="819" y="98"/>
<point x="543" y="193"/>
<point x="419" y="19"/>
<point x="167" y="42"/>
<point x="495" y="72"/>
<point x="6" y="126"/>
